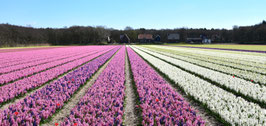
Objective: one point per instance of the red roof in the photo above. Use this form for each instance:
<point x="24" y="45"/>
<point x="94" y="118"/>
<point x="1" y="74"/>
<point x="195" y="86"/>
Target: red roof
<point x="145" y="36"/>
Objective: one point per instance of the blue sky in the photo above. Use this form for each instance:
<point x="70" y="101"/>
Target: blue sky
<point x="118" y="14"/>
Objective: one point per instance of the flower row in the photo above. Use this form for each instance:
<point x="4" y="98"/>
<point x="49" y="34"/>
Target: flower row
<point x="214" y="61"/>
<point x="103" y="102"/>
<point x="50" y="58"/>
<point x="228" y="54"/>
<point x="234" y="110"/>
<point x="228" y="57"/>
<point x="246" y="88"/>
<point x="43" y="103"/>
<point x="21" y="57"/>
<point x="256" y="77"/>
<point x="20" y="87"/>
<point x="5" y="78"/>
<point x="160" y="103"/>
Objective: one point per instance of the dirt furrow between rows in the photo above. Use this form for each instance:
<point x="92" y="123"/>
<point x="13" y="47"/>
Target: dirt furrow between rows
<point x="130" y="117"/>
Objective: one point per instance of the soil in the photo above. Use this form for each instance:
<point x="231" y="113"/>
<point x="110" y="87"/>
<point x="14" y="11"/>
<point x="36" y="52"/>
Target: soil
<point x="130" y="117"/>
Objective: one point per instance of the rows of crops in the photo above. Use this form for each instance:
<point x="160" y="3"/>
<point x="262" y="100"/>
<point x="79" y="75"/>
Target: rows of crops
<point x="236" y="96"/>
<point x="36" y="85"/>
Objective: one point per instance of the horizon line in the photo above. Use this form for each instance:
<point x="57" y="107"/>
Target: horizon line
<point x="106" y="27"/>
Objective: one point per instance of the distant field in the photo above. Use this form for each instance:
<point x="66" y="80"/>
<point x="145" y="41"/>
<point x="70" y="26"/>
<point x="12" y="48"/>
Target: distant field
<point x="226" y="46"/>
<point x="15" y="49"/>
<point x="27" y="47"/>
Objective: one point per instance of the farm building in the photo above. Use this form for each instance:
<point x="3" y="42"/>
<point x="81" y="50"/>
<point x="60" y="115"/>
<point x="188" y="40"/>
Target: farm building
<point x="144" y="38"/>
<point x="124" y="38"/>
<point x="201" y="40"/>
<point x="108" y="39"/>
<point x="194" y="40"/>
<point x="157" y="38"/>
<point x="173" y="37"/>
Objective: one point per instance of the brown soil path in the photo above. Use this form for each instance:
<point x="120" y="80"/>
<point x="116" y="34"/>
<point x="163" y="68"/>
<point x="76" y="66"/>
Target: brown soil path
<point x="130" y="117"/>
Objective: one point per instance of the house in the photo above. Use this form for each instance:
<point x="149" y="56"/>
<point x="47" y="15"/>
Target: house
<point x="194" y="40"/>
<point x="201" y="40"/>
<point x="144" y="38"/>
<point x="108" y="39"/>
<point x="174" y="37"/>
<point x="124" y="38"/>
<point x="206" y="41"/>
<point x="157" y="38"/>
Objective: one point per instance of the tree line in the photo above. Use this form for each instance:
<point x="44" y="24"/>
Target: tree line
<point x="12" y="35"/>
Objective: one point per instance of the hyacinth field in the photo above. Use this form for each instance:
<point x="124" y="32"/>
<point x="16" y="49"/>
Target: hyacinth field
<point x="132" y="85"/>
